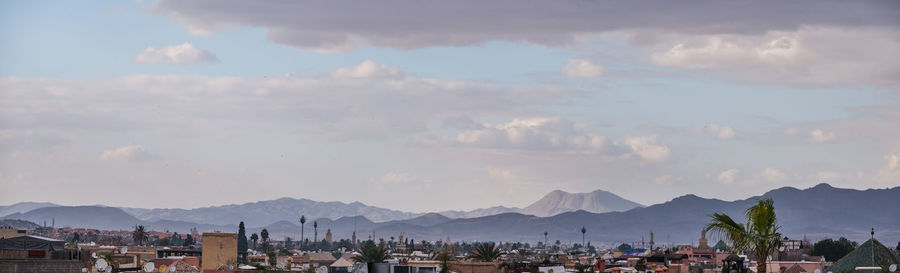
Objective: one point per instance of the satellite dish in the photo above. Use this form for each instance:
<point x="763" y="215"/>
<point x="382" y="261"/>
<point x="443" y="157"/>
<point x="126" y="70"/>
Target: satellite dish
<point x="94" y="255"/>
<point x="100" y="264"/>
<point x="830" y="272"/>
<point x="893" y="267"/>
<point x="84" y="270"/>
<point x="148" y="267"/>
<point x="123" y="250"/>
<point x="781" y="249"/>
<point x="108" y="269"/>
<point x="172" y="269"/>
<point x="162" y="268"/>
<point x="818" y="271"/>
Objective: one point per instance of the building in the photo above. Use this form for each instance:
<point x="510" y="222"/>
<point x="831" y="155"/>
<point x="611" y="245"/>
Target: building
<point x="9" y="232"/>
<point x="219" y="251"/>
<point x="328" y="237"/>
<point x="864" y="255"/>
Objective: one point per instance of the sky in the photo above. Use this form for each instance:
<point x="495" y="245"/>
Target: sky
<point x="450" y="105"/>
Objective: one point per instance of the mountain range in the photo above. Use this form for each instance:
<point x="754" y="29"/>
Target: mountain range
<point x="818" y="212"/>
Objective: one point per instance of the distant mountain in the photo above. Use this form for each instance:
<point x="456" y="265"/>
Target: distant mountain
<point x="819" y="212"/>
<point x="558" y="201"/>
<point x="478" y="212"/>
<point x="79" y="216"/>
<point x="23" y="207"/>
<point x="18" y="224"/>
<point x="267" y="212"/>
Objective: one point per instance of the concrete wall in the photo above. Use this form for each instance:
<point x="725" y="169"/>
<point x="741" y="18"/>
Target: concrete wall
<point x="219" y="251"/>
<point x="473" y="267"/>
<point x="40" y="266"/>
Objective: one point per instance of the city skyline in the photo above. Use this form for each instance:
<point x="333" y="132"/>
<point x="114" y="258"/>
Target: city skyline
<point x="187" y="104"/>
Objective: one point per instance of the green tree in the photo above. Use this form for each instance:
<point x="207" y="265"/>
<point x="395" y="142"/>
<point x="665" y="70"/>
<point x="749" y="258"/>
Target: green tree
<point x="302" y="223"/>
<point x="624" y="247"/>
<point x="833" y="250"/>
<point x="583" y="231"/>
<point x="759" y="235"/>
<point x="641" y="265"/>
<point x="140" y="235"/>
<point x="264" y="235"/>
<point x="254" y="238"/>
<point x="485" y="252"/>
<point x="242" y="241"/>
<point x="370" y="254"/>
<point x="315" y="231"/>
<point x="189" y="241"/>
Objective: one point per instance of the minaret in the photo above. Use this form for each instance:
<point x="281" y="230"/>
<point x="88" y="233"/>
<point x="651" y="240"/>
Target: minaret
<point x="703" y="242"/>
<point x="328" y="236"/>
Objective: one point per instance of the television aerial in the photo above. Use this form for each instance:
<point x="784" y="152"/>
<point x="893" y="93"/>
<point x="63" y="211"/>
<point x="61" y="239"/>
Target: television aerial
<point x="100" y="264"/>
<point x="148" y="267"/>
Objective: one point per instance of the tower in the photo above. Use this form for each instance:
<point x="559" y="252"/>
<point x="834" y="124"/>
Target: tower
<point x="328" y="236"/>
<point x="703" y="242"/>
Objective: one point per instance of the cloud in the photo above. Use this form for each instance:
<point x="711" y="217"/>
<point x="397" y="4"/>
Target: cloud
<point x="397" y="178"/>
<point x="338" y="27"/>
<point x="327" y="105"/>
<point x="719" y="131"/>
<point x="819" y="136"/>
<point x="582" y="68"/>
<point x="667" y="179"/>
<point x="184" y="53"/>
<point x="810" y="55"/>
<point x="130" y="153"/>
<point x="772" y="175"/>
<point x="367" y="69"/>
<point x="555" y="134"/>
<point x="890" y="172"/>
<point x="729" y="176"/>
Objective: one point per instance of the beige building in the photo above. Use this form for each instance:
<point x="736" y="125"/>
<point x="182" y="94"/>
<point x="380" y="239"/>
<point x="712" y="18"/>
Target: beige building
<point x="219" y="251"/>
<point x="8" y="232"/>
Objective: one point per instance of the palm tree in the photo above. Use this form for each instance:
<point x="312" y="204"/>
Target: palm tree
<point x="545" y="239"/>
<point x="140" y="235"/>
<point x="315" y="231"/>
<point x="759" y="235"/>
<point x="583" y="231"/>
<point x="485" y="252"/>
<point x="370" y="254"/>
<point x="254" y="238"/>
<point x="302" y="222"/>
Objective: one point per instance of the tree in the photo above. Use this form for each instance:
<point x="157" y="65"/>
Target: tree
<point x="640" y="266"/>
<point x="833" y="250"/>
<point x="189" y="241"/>
<point x="315" y="231"/>
<point x="242" y="240"/>
<point x="370" y="254"/>
<point x="759" y="235"/>
<point x="264" y="235"/>
<point x="140" y="235"/>
<point x="583" y="231"/>
<point x="254" y="238"/>
<point x="302" y="222"/>
<point x="624" y="247"/>
<point x="545" y="238"/>
<point x="485" y="252"/>
<point x="76" y="238"/>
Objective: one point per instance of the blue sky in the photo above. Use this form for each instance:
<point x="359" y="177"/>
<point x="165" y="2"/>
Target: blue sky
<point x="266" y="101"/>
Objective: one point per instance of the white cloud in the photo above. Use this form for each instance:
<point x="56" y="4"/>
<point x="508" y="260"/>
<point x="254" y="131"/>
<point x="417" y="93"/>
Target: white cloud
<point x="819" y="136"/>
<point x="397" y="178"/>
<point x="667" y="179"/>
<point x="315" y="105"/>
<point x="772" y="175"/>
<point x="184" y="53"/>
<point x="582" y="68"/>
<point x="729" y="176"/>
<point x="719" y="131"/>
<point x="812" y="55"/>
<point x="648" y="148"/>
<point x="367" y="69"/>
<point x="890" y="172"/>
<point x="132" y="153"/>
